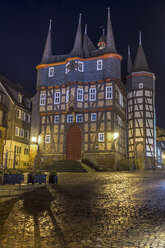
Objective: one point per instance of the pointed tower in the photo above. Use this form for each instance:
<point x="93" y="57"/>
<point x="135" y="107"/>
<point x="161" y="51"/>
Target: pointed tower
<point x="77" y="50"/>
<point x="141" y="111"/>
<point x="129" y="62"/>
<point x="48" y="47"/>
<point x="140" y="63"/>
<point x="87" y="44"/>
<point x="110" y="43"/>
<point x="102" y="41"/>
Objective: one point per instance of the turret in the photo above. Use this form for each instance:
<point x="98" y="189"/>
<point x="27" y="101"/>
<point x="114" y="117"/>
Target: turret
<point x="48" y="47"/>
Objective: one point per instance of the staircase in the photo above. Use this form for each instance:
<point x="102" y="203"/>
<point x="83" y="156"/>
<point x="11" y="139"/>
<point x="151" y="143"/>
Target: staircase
<point x="65" y="166"/>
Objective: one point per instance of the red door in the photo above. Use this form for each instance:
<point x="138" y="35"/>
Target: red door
<point x="73" y="146"/>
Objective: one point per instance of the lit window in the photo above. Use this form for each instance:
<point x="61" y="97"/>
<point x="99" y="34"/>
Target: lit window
<point x="93" y="117"/>
<point x="42" y="99"/>
<point x="56" y="119"/>
<point x="69" y="118"/>
<point x="23" y="116"/>
<point x="109" y="92"/>
<point x="80" y="66"/>
<point x="67" y="96"/>
<point x="92" y="94"/>
<point x="99" y="65"/>
<point x="120" y="99"/>
<point x="20" y="98"/>
<point x="141" y="86"/>
<point x="17" y="131"/>
<point x="80" y="95"/>
<point x="100" y="137"/>
<point x="51" y="71"/>
<point x="21" y="133"/>
<point x="26" y="134"/>
<point x="56" y="97"/>
<point x="79" y="118"/>
<point x="18" y="113"/>
<point x="47" y="138"/>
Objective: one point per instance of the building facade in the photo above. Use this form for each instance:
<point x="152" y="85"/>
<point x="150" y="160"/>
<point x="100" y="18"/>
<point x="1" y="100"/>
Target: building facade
<point x="80" y="108"/>
<point x="15" y="123"/>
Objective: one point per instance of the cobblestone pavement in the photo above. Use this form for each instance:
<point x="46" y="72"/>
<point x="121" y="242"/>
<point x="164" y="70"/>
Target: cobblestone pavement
<point x="88" y="210"/>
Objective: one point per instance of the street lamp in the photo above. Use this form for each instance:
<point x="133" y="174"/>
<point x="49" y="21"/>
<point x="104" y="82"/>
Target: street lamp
<point x="34" y="139"/>
<point x="115" y="136"/>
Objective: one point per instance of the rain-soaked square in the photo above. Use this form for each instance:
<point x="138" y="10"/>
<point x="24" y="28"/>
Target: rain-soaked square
<point x="124" y="209"/>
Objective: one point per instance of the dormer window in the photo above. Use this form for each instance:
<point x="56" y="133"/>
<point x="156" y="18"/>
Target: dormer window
<point x="51" y="72"/>
<point x="20" y="98"/>
<point x="28" y="103"/>
<point x="80" y="66"/>
<point x="99" y="65"/>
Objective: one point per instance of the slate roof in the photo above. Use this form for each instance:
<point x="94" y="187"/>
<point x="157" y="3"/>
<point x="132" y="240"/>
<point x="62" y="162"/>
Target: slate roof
<point x="8" y="85"/>
<point x="83" y="46"/>
<point x="140" y="63"/>
<point x="129" y="62"/>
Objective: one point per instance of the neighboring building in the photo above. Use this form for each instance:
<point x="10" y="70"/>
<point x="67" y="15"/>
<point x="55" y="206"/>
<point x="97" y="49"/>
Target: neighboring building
<point x="15" y="122"/>
<point x="160" y="138"/>
<point x="81" y="102"/>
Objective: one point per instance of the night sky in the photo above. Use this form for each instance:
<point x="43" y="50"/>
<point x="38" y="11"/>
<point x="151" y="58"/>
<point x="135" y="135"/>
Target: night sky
<point x="24" y="27"/>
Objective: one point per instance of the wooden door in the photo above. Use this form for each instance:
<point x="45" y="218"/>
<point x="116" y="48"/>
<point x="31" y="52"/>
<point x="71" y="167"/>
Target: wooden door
<point x="73" y="146"/>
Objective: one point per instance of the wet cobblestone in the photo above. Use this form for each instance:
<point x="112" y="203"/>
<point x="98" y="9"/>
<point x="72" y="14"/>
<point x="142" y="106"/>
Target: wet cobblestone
<point x="88" y="210"/>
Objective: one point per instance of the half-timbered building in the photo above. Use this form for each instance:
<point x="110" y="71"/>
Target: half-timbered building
<point x="141" y="109"/>
<point x="80" y="101"/>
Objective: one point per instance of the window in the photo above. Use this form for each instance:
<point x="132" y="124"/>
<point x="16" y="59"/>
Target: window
<point x="21" y="133"/>
<point x="47" y="138"/>
<point x="109" y="92"/>
<point x="26" y="134"/>
<point x="20" y="98"/>
<point x="92" y="94"/>
<point x="56" y="97"/>
<point x="18" y="149"/>
<point x="99" y="65"/>
<point x="79" y="118"/>
<point x="141" y="86"/>
<point x="28" y="118"/>
<point x="23" y="116"/>
<point x="119" y="121"/>
<point x="67" y="68"/>
<point x="120" y="99"/>
<point x="93" y="117"/>
<point x="80" y="66"/>
<point x="17" y="131"/>
<point x="51" y="71"/>
<point x="28" y="103"/>
<point x="26" y="151"/>
<point x="70" y="118"/>
<point x="67" y="96"/>
<point x="80" y="95"/>
<point x="56" y="119"/>
<point x="18" y="113"/>
<point x="42" y="99"/>
<point x="101" y="137"/>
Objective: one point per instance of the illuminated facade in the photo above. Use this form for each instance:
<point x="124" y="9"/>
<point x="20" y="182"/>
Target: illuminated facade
<point x="81" y="102"/>
<point x="141" y="109"/>
<point x="15" y="123"/>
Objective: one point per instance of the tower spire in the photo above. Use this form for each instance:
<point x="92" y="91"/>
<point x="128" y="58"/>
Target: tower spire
<point x="77" y="48"/>
<point x="48" y="46"/>
<point x="140" y="63"/>
<point x="129" y="62"/>
<point x="110" y="43"/>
